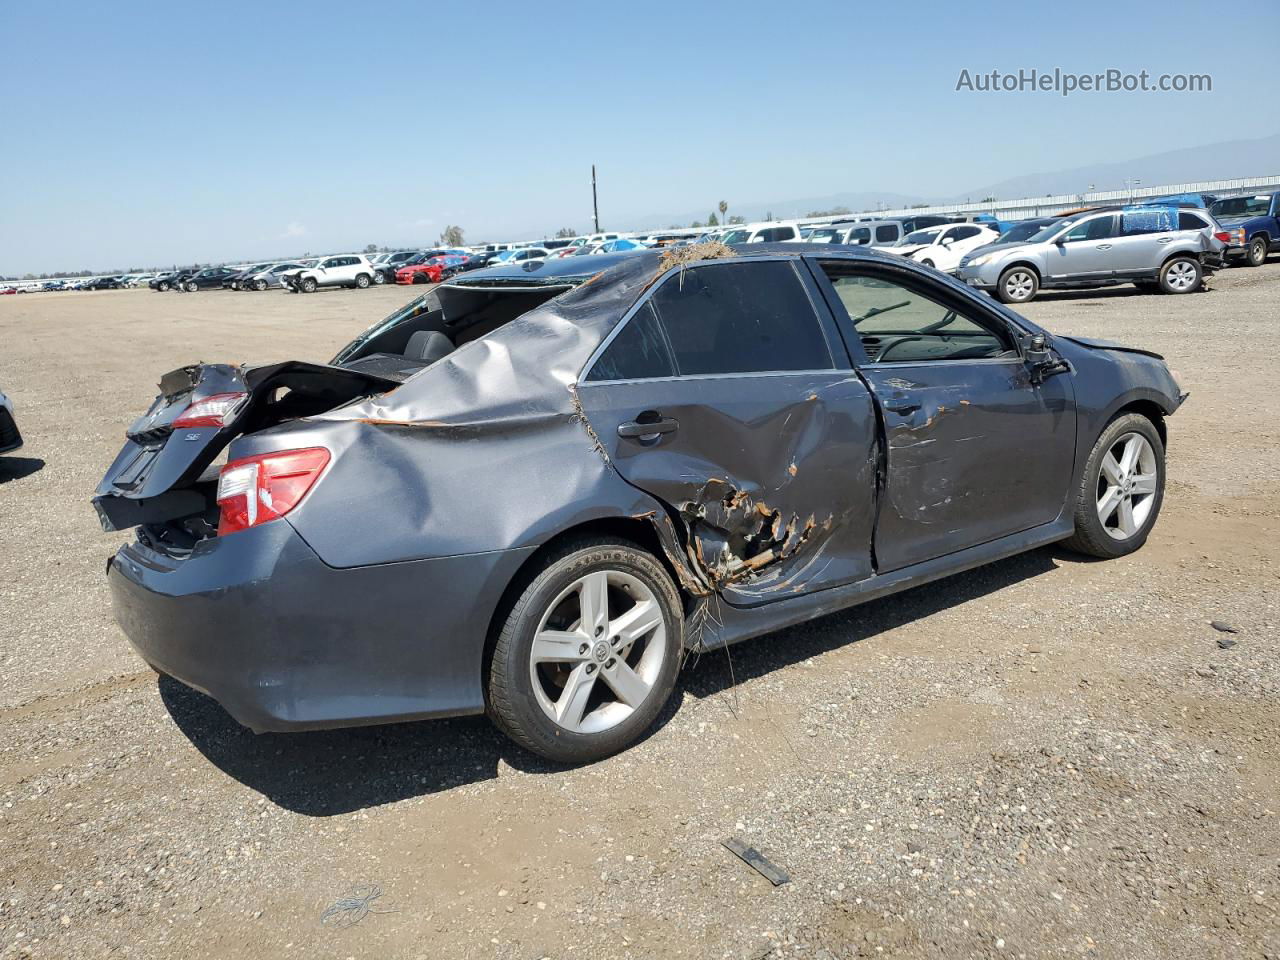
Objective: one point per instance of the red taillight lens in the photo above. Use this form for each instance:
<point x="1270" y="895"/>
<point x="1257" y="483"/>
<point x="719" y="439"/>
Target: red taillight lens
<point x="1223" y="236"/>
<point x="213" y="411"/>
<point x="257" y="489"/>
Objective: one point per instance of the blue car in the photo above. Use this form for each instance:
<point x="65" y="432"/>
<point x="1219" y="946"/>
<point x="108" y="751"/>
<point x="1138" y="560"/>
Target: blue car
<point x="1253" y="224"/>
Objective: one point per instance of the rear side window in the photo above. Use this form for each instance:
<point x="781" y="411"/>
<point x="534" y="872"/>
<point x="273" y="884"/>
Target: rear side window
<point x="740" y="318"/>
<point x="1189" y="221"/>
<point x="719" y="319"/>
<point x="638" y="352"/>
<point x="886" y="234"/>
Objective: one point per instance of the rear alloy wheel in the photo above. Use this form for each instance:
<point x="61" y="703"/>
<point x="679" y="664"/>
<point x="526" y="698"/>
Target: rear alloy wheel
<point x="362" y="281"/>
<point x="1181" y="275"/>
<point x="1017" y="285"/>
<point x="1121" y="490"/>
<point x="308" y="285"/>
<point x="1257" y="252"/>
<point x="589" y="653"/>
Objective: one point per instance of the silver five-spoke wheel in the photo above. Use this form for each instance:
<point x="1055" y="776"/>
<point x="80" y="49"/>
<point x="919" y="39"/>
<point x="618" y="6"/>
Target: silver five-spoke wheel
<point x="598" y="651"/>
<point x="1127" y="486"/>
<point x="1182" y="276"/>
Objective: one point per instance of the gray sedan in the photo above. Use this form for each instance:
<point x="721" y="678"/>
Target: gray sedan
<point x="536" y="488"/>
<point x="1155" y="248"/>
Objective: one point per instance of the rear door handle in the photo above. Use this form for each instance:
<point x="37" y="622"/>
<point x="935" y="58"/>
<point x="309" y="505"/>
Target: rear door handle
<point x="1104" y="246"/>
<point x="901" y="406"/>
<point x="1164" y="239"/>
<point x="635" y="428"/>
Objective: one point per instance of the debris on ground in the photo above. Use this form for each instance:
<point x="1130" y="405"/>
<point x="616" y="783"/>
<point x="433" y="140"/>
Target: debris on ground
<point x="757" y="861"/>
<point x="353" y="906"/>
<point x="1222" y="627"/>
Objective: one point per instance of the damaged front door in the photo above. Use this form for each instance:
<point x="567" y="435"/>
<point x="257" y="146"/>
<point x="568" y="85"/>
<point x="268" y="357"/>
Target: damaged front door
<point x="978" y="446"/>
<point x="720" y="396"/>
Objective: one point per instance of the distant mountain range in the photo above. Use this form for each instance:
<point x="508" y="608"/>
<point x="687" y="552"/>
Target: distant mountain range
<point x="1214" y="161"/>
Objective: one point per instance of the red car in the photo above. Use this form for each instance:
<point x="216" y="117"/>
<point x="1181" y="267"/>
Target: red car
<point x="429" y="270"/>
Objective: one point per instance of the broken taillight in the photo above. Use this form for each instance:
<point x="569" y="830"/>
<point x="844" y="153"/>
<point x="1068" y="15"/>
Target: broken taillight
<point x="1223" y="236"/>
<point x="212" y="411"/>
<point x="257" y="489"/>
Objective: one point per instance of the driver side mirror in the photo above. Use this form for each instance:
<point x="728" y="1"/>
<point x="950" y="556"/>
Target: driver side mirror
<point x="947" y="241"/>
<point x="1041" y="360"/>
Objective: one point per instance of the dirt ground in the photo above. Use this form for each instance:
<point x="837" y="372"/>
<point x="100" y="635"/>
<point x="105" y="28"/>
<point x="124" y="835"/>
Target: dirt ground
<point x="1047" y="757"/>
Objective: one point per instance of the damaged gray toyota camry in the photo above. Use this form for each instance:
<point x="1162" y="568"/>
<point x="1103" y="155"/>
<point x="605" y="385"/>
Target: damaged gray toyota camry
<point x="531" y="491"/>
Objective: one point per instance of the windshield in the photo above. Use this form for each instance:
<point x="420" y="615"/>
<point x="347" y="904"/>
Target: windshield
<point x="921" y="237"/>
<point x="1024" y="231"/>
<point x="1052" y="229"/>
<point x="1241" y="207"/>
<point x="735" y="236"/>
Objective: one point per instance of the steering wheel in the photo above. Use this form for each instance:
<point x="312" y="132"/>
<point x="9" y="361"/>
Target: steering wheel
<point x="895" y="342"/>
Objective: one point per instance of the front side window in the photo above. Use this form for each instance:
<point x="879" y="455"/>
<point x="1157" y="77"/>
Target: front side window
<point x="898" y="324"/>
<point x="860" y="235"/>
<point x="1098" y="228"/>
<point x="964" y="233"/>
<point x="720" y="318"/>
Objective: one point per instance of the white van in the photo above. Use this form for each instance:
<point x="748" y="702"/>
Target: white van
<point x="779" y="231"/>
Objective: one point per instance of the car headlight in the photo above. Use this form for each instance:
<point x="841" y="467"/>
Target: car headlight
<point x="979" y="261"/>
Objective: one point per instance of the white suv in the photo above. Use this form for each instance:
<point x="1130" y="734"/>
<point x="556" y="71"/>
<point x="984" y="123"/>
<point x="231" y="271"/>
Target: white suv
<point x="349" y="270"/>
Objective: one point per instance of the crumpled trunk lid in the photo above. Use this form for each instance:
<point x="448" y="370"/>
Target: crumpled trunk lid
<point x="160" y="473"/>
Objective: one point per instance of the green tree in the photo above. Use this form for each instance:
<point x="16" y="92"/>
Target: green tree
<point x="769" y="215"/>
<point x="696" y="223"/>
<point x="452" y="236"/>
<point x="712" y="221"/>
<point x="723" y="206"/>
<point x="566" y="233"/>
<point x="735" y="219"/>
<point x="371" y="248"/>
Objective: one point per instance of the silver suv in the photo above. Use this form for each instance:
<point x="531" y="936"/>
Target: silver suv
<point x="1154" y="248"/>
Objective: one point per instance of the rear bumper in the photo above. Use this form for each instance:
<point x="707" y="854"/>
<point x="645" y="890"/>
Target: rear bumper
<point x="284" y="642"/>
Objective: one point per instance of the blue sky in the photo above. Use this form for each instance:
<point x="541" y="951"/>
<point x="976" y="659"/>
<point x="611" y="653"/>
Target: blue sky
<point x="149" y="134"/>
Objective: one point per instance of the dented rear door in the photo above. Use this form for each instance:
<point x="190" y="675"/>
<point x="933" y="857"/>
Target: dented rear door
<point x="769" y="473"/>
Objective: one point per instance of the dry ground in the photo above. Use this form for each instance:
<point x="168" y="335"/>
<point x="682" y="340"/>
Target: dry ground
<point x="1046" y="757"/>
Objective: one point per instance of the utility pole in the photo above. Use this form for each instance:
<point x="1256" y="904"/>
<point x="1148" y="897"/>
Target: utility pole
<point x="595" y="204"/>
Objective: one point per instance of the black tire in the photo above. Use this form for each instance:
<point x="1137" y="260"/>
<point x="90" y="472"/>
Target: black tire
<point x="163" y="286"/>
<point x="379" y="278"/>
<point x="926" y="262"/>
<point x="362" y="281"/>
<point x="421" y="278"/>
<point x="1257" y="254"/>
<point x="235" y="284"/>
<point x="1177" y="267"/>
<point x="511" y="699"/>
<point x="308" y="285"/>
<point x="1091" y="537"/>
<point x="1018" y="284"/>
<point x="190" y="287"/>
<point x="259" y="285"/>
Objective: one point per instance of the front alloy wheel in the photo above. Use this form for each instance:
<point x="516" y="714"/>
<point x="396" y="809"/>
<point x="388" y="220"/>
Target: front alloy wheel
<point x="1121" y="489"/>
<point x="308" y="285"/>
<point x="1017" y="285"/>
<point x="589" y="653"/>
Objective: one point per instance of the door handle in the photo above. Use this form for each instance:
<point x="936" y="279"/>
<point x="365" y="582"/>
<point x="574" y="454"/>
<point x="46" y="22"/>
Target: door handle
<point x="1104" y="246"/>
<point x="1164" y="239"/>
<point x="635" y="428"/>
<point x="903" y="406"/>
